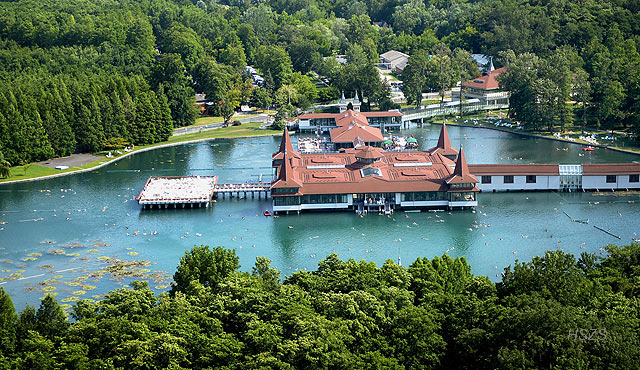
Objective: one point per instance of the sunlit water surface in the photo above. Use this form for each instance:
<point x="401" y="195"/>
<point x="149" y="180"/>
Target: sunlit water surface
<point x="57" y="234"/>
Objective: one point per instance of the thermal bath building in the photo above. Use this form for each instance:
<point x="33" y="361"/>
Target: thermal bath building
<point x="368" y="179"/>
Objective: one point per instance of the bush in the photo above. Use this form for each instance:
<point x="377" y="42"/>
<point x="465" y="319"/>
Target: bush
<point x="114" y="143"/>
<point x="236" y="123"/>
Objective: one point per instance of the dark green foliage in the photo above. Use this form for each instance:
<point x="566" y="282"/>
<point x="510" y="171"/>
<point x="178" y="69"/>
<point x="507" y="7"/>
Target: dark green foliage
<point x="205" y="266"/>
<point x="346" y="314"/>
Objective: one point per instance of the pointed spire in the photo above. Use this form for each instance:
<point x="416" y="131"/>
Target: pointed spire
<point x="461" y="165"/>
<point x="342" y="99"/>
<point x="286" y="175"/>
<point x="443" y="140"/>
<point x="444" y="145"/>
<point x="491" y="67"/>
<point x="355" y="99"/>
<point x="286" y="147"/>
<point x="461" y="173"/>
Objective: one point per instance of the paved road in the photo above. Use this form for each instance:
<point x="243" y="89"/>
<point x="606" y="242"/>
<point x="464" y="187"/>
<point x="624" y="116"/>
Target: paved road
<point x="264" y="118"/>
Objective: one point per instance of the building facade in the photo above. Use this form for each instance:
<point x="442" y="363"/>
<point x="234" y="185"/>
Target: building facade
<point x="486" y="88"/>
<point x="368" y="179"/>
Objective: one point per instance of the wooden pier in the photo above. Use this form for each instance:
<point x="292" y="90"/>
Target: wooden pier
<point x="194" y="191"/>
<point x="177" y="192"/>
<point x="243" y="189"/>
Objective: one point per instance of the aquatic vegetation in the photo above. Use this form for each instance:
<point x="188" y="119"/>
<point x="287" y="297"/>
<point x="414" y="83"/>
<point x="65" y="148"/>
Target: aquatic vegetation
<point x="6" y="261"/>
<point x="56" y="251"/>
<point x="163" y="286"/>
<point x="104" y="258"/>
<point x="58" y="277"/>
<point x="50" y="281"/>
<point x="72" y="283"/>
<point x="92" y="250"/>
<point x="29" y="259"/>
<point x="133" y="253"/>
<point x="79" y="292"/>
<point x="35" y="254"/>
<point x="45" y="267"/>
<point x="5" y="270"/>
<point x="48" y="289"/>
<point x="65" y="306"/>
<point x="88" y="287"/>
<point x="71" y="299"/>
<point x="72" y="254"/>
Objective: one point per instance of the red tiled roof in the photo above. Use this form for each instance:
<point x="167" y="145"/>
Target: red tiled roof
<point x="461" y="173"/>
<point x="514" y="169"/>
<point x="367" y="152"/>
<point x="398" y="172"/>
<point x="347" y="134"/>
<point x="611" y="169"/>
<point x="486" y="82"/>
<point x="286" y="175"/>
<point x="285" y="147"/>
<point x="350" y="116"/>
<point x="444" y="144"/>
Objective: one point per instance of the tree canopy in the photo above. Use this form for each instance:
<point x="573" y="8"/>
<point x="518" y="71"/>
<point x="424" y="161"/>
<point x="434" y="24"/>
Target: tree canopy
<point x="554" y="311"/>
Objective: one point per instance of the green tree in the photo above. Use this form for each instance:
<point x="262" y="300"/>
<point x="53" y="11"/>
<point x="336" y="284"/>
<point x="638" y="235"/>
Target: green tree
<point x="275" y="61"/>
<point x="582" y="92"/>
<point x="8" y="320"/>
<point x="260" y="97"/>
<point x="51" y="321"/>
<point x="5" y="166"/>
<point x="205" y="266"/>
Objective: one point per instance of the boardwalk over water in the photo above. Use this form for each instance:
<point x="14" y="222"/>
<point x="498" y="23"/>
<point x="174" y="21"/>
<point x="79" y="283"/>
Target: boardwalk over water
<point x="194" y="191"/>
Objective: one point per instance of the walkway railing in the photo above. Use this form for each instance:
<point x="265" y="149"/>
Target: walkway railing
<point x="410" y="114"/>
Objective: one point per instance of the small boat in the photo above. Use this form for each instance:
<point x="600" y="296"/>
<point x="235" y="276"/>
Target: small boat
<point x="589" y="149"/>
<point x="267" y="213"/>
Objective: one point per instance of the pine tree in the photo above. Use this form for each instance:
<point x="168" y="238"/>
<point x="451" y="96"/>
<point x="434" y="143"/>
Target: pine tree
<point x="51" y="320"/>
<point x="163" y="115"/>
<point x="8" y="320"/>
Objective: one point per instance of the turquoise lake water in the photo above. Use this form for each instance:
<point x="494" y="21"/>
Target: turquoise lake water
<point x="57" y="233"/>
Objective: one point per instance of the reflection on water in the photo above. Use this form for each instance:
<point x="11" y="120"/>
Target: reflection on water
<point x="58" y="234"/>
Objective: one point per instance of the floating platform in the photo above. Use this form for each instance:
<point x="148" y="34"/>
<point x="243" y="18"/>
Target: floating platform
<point x="177" y="192"/>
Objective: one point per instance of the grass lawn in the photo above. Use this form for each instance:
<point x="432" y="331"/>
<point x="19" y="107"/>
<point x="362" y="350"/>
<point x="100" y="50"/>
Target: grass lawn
<point x="246" y="129"/>
<point x="210" y="119"/>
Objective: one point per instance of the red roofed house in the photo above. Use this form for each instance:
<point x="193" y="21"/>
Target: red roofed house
<point x="486" y="88"/>
<point x="369" y="179"/>
<point x="325" y="122"/>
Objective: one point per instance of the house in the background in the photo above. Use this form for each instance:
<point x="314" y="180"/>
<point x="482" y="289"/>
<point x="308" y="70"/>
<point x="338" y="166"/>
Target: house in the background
<point x="486" y="88"/>
<point x="394" y="60"/>
<point x="382" y="24"/>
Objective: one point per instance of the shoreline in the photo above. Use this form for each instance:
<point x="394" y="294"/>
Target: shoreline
<point x="616" y="149"/>
<point x="83" y="170"/>
<point x="245" y="136"/>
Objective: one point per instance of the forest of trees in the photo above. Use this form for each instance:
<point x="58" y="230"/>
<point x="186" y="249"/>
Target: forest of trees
<point x="553" y="312"/>
<point x="77" y="75"/>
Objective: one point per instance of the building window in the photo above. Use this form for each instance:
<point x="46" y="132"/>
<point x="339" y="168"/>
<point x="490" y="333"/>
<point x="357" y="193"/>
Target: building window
<point x="531" y="179"/>
<point x="634" y="178"/>
<point x="611" y="179"/>
<point x="508" y="179"/>
<point x="486" y="179"/>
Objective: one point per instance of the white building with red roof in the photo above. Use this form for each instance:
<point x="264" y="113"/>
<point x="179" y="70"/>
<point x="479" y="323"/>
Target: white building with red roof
<point x="486" y="88"/>
<point x="369" y="178"/>
<point x="325" y="122"/>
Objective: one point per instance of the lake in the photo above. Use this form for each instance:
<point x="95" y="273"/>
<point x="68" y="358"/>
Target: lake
<point x="82" y="235"/>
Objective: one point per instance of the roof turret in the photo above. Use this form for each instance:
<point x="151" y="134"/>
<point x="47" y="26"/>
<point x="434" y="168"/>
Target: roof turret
<point x="461" y="173"/>
<point x="444" y="144"/>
